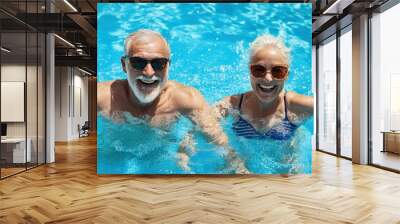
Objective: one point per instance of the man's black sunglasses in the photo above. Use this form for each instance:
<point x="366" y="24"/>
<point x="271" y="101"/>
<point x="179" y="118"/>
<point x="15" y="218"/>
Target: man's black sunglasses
<point x="139" y="63"/>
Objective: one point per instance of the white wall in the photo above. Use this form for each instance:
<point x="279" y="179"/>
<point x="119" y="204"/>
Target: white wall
<point x="82" y="83"/>
<point x="61" y="103"/>
<point x="16" y="73"/>
<point x="13" y="101"/>
<point x="70" y="84"/>
<point x="33" y="127"/>
<point x="13" y="72"/>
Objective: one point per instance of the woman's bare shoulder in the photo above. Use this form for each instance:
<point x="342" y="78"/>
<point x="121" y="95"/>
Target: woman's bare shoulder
<point x="234" y="100"/>
<point x="299" y="103"/>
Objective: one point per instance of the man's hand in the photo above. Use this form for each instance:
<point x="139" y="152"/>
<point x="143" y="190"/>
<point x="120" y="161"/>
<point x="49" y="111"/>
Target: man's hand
<point x="235" y="162"/>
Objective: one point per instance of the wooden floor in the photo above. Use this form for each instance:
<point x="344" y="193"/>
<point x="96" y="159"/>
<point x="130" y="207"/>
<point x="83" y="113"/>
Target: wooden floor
<point x="69" y="191"/>
<point x="10" y="171"/>
<point x="387" y="159"/>
<point x="5" y="172"/>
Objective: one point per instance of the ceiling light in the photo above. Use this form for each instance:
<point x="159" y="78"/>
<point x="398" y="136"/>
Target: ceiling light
<point x="84" y="71"/>
<point x="5" y="50"/>
<point x="70" y="5"/>
<point x="80" y="51"/>
<point x="333" y="6"/>
<point x="337" y="7"/>
<point x="65" y="41"/>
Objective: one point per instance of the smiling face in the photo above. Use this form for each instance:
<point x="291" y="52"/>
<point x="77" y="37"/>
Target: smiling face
<point x="267" y="87"/>
<point x="146" y="80"/>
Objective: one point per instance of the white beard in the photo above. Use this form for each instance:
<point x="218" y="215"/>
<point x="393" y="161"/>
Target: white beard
<point x="145" y="98"/>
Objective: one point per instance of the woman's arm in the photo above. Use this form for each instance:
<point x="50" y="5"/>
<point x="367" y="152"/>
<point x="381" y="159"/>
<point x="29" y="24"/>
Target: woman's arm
<point x="301" y="106"/>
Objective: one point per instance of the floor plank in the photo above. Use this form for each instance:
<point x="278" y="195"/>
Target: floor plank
<point x="70" y="191"/>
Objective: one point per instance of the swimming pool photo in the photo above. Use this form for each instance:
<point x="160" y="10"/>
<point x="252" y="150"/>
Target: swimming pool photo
<point x="210" y="46"/>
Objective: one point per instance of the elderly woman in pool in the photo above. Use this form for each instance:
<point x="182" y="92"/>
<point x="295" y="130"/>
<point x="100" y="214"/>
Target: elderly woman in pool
<point x="268" y="110"/>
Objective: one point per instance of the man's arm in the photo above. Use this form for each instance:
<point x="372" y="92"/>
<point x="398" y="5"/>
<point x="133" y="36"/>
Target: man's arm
<point x="103" y="96"/>
<point x="196" y="108"/>
<point x="223" y="107"/>
<point x="193" y="104"/>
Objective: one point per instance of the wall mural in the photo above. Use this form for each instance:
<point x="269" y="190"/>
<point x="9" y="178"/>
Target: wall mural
<point x="210" y="88"/>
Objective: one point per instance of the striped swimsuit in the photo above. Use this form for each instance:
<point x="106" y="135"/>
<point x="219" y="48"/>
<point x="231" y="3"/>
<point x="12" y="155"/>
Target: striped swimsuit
<point x="282" y="131"/>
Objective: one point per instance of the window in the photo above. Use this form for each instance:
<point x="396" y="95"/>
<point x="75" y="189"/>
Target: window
<point x="346" y="75"/>
<point x="23" y="76"/>
<point x="385" y="89"/>
<point x="327" y="95"/>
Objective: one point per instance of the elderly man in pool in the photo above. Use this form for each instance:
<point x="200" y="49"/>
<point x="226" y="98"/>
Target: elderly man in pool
<point x="148" y="94"/>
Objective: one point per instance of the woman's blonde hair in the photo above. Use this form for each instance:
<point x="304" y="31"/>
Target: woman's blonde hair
<point x="268" y="40"/>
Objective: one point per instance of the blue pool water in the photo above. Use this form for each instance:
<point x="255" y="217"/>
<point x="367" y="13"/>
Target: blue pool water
<point x="209" y="45"/>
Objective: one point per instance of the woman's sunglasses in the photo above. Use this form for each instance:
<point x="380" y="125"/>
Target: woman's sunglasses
<point x="139" y="63"/>
<point x="278" y="71"/>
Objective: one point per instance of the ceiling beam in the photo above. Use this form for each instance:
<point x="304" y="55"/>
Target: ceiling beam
<point x="81" y="61"/>
<point x="90" y="31"/>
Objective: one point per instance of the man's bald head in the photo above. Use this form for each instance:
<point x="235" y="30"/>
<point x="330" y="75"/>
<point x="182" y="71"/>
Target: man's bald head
<point x="145" y="37"/>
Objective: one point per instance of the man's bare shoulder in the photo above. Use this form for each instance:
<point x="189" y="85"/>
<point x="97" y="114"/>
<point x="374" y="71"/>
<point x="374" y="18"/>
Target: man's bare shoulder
<point x="186" y="97"/>
<point x="103" y="87"/>
<point x="105" y="91"/>
<point x="103" y="94"/>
